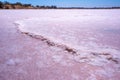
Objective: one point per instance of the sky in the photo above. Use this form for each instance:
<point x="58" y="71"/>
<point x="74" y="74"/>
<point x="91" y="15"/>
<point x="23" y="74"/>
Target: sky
<point x="72" y="3"/>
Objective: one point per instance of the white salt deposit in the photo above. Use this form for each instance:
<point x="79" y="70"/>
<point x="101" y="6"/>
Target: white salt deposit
<point x="84" y="31"/>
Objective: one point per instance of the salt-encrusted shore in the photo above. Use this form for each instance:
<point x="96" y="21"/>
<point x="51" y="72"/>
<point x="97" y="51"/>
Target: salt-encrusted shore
<point x="59" y="45"/>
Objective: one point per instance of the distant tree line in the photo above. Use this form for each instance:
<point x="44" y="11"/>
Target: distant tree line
<point x="88" y="8"/>
<point x="19" y="5"/>
<point x="45" y="7"/>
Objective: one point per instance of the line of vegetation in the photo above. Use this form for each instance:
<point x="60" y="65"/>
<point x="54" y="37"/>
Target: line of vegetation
<point x="89" y="8"/>
<point x="19" y="5"/>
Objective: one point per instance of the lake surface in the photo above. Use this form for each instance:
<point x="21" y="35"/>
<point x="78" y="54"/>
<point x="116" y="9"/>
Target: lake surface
<point x="93" y="36"/>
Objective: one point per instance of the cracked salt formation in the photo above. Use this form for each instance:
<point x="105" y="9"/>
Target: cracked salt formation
<point x="57" y="45"/>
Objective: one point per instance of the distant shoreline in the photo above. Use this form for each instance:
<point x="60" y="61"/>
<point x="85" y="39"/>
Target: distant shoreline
<point x="90" y="8"/>
<point x="19" y="5"/>
<point x="66" y="9"/>
<point x="56" y="8"/>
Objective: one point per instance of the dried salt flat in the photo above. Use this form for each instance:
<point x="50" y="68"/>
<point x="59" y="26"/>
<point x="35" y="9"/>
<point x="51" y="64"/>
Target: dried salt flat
<point x="59" y="45"/>
<point x="87" y="32"/>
